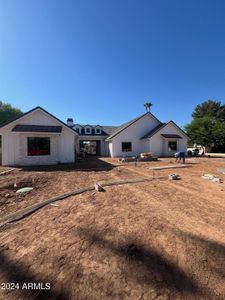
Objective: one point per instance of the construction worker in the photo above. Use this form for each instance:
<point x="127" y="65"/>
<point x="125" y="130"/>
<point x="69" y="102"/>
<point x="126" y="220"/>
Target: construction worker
<point x="180" y="155"/>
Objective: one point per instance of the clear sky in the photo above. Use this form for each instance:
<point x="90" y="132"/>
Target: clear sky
<point x="98" y="61"/>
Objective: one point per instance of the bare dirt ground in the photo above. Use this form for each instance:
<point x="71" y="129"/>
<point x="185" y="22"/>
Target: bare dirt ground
<point x="154" y="240"/>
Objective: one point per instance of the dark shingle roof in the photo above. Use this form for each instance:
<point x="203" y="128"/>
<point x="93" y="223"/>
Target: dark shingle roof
<point x="162" y="125"/>
<point x="153" y="131"/>
<point x="37" y="128"/>
<point x="106" y="130"/>
<point x="174" y="136"/>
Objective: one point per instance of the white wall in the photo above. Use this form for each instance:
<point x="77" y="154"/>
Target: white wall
<point x="159" y="145"/>
<point x="133" y="134"/>
<point x="14" y="144"/>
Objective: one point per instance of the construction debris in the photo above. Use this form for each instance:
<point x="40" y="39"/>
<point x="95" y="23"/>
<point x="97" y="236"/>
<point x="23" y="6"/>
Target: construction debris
<point x="99" y="187"/>
<point x="221" y="170"/>
<point x="174" y="177"/>
<point x="213" y="178"/>
<point x="24" y="190"/>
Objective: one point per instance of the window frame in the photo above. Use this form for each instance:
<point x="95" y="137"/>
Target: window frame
<point x="38" y="154"/>
<point x="126" y="151"/>
<point x="169" y="148"/>
<point x="88" y="130"/>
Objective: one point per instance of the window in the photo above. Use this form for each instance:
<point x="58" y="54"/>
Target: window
<point x="38" y="146"/>
<point x="126" y="146"/>
<point x="88" y="130"/>
<point x="77" y="129"/>
<point x="97" y="130"/>
<point x="172" y="146"/>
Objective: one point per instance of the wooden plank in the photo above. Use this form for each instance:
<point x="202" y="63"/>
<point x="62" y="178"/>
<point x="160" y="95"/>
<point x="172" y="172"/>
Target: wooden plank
<point x="170" y="167"/>
<point x="6" y="172"/>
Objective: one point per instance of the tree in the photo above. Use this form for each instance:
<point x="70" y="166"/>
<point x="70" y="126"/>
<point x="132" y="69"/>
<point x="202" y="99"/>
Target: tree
<point x="207" y="127"/>
<point x="8" y="113"/>
<point x="148" y="105"/>
<point x="200" y="131"/>
<point x="210" y="108"/>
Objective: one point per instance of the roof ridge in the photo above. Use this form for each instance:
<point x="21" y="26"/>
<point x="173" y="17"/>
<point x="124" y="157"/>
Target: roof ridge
<point x="127" y="124"/>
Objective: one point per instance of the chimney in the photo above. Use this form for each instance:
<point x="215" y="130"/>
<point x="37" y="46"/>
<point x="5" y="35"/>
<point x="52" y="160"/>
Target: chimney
<point x="70" y="122"/>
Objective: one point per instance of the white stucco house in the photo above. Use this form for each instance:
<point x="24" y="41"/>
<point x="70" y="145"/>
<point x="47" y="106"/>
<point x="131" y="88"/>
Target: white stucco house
<point x="142" y="134"/>
<point x="147" y="134"/>
<point x="37" y="138"/>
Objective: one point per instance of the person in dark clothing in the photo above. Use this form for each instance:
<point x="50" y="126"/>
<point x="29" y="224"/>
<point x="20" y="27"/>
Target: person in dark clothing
<point x="180" y="155"/>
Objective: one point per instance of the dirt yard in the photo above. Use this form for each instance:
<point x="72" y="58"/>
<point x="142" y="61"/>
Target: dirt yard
<point x="159" y="239"/>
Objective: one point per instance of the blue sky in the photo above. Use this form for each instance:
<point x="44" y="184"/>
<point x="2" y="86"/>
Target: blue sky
<point x="99" y="61"/>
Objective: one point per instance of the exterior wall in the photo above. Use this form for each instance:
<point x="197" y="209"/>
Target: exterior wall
<point x="133" y="134"/>
<point x="14" y="144"/>
<point x="158" y="144"/>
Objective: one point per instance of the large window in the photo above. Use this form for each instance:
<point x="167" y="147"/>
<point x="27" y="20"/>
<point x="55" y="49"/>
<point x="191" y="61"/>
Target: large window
<point x="38" y="146"/>
<point x="126" y="146"/>
<point x="172" y="146"/>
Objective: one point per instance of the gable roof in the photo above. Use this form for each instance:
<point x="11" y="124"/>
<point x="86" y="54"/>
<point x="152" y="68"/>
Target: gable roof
<point x="153" y="131"/>
<point x="45" y="111"/>
<point x="128" y="124"/>
<point x="159" y="127"/>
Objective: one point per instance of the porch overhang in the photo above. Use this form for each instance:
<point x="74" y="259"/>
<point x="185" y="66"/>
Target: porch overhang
<point x="171" y="136"/>
<point x="37" y="128"/>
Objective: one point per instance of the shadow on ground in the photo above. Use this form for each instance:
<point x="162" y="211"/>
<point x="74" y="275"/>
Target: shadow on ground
<point x="211" y="251"/>
<point x="18" y="272"/>
<point x="145" y="265"/>
<point x="85" y="164"/>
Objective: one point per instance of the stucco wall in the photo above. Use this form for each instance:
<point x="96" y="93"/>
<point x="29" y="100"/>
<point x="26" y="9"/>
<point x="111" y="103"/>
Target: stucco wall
<point x="14" y="144"/>
<point x="159" y="145"/>
<point x="133" y="134"/>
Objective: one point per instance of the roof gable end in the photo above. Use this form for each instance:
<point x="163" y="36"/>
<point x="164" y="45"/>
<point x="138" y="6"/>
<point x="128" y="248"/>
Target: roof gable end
<point x="128" y="124"/>
<point x="38" y="108"/>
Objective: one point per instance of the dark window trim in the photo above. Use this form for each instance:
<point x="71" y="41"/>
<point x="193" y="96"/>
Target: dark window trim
<point x="123" y="150"/>
<point x="169" y="149"/>
<point x="39" y="152"/>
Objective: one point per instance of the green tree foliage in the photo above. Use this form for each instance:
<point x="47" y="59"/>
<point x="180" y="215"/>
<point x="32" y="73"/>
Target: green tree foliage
<point x="8" y="113"/>
<point x="207" y="127"/>
<point x="210" y="108"/>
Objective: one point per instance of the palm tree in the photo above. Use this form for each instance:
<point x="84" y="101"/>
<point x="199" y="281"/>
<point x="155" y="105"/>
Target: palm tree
<point x="148" y="105"/>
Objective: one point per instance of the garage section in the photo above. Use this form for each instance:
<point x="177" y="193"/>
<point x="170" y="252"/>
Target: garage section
<point x="90" y="147"/>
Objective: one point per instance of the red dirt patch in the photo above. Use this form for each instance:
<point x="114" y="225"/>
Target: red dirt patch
<point x="151" y="240"/>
